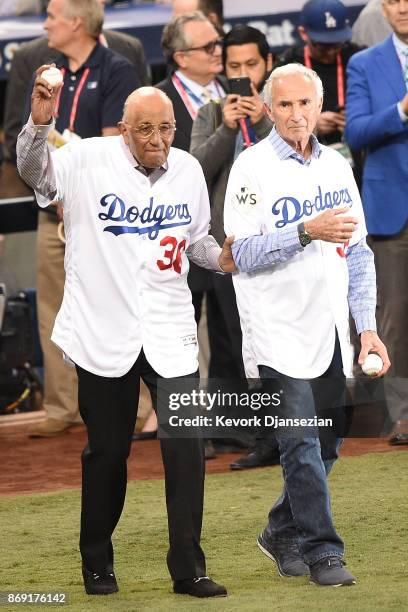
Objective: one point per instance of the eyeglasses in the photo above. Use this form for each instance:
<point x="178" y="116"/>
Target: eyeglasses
<point x="146" y="130"/>
<point x="209" y="48"/>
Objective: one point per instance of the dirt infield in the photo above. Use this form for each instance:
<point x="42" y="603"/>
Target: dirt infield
<point x="40" y="465"/>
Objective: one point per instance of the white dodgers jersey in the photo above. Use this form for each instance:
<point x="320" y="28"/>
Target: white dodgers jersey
<point x="125" y="260"/>
<point x="290" y="311"/>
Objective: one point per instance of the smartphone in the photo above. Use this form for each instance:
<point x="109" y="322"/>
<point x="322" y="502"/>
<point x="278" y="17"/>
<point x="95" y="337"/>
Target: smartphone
<point x="240" y="86"/>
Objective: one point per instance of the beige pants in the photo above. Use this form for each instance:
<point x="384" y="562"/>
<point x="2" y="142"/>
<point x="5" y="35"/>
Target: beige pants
<point x="60" y="384"/>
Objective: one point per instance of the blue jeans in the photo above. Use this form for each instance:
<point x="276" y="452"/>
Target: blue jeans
<point x="302" y="513"/>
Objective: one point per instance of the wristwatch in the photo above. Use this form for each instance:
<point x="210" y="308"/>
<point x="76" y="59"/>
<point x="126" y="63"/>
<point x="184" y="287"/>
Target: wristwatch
<point x="304" y="237"/>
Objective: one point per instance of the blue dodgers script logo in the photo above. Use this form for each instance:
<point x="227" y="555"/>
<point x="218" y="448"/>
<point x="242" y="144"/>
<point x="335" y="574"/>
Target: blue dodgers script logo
<point x="291" y="210"/>
<point x="151" y="219"/>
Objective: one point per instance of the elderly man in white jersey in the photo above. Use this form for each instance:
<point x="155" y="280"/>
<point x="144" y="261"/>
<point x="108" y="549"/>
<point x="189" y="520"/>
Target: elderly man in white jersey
<point x="135" y="210"/>
<point x="302" y="257"/>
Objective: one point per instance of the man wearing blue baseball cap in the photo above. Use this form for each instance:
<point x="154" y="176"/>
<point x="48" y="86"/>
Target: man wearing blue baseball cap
<point x="326" y="48"/>
<point x="325" y="21"/>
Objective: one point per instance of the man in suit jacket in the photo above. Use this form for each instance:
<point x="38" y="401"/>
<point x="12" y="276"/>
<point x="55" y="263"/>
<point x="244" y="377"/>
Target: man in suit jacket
<point x="192" y="49"/>
<point x="35" y="53"/>
<point x="377" y="120"/>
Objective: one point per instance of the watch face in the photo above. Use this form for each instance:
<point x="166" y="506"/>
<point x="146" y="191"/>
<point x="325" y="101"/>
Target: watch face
<point x="304" y="239"/>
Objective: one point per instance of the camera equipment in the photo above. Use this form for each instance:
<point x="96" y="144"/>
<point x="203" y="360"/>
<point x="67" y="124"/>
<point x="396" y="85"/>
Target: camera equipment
<point x="20" y="386"/>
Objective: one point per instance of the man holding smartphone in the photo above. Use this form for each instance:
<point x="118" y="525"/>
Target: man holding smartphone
<point x="220" y="132"/>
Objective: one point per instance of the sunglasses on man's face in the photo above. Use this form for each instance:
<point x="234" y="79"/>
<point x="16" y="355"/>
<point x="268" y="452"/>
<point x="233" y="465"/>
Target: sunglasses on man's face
<point x="209" y="48"/>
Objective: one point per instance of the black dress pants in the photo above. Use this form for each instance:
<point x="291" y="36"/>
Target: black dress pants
<point x="108" y="407"/>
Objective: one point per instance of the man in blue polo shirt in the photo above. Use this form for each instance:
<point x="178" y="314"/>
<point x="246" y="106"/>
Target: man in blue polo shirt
<point x="97" y="82"/>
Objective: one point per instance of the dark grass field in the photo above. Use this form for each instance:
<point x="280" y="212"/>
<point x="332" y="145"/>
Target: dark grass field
<point x="370" y="504"/>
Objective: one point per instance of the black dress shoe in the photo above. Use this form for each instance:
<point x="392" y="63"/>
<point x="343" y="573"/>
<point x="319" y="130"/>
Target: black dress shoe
<point x="254" y="460"/>
<point x="398" y="438"/>
<point x="97" y="583"/>
<point x="399" y="434"/>
<point x="144" y="435"/>
<point x="199" y="587"/>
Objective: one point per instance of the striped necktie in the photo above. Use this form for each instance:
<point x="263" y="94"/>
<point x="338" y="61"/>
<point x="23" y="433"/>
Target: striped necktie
<point x="206" y="95"/>
<point x="405" y="68"/>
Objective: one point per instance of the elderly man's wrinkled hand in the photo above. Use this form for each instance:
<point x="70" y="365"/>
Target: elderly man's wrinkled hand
<point x="43" y="98"/>
<point x="332" y="226"/>
<point x="226" y="261"/>
<point x="371" y="343"/>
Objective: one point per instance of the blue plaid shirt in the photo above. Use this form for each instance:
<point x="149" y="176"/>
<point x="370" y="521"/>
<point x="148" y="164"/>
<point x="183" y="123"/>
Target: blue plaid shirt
<point x="260" y="252"/>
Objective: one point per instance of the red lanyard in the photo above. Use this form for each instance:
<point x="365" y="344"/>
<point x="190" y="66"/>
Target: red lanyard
<point x="340" y="75"/>
<point x="184" y="96"/>
<point x="245" y="133"/>
<point x="74" y="108"/>
<point x="187" y="95"/>
<point x="244" y="129"/>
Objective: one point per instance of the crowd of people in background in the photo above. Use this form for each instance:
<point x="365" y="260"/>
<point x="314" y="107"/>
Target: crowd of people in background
<point x="365" y="122"/>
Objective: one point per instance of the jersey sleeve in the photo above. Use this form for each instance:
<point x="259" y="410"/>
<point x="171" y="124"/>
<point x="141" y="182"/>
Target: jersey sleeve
<point x="67" y="168"/>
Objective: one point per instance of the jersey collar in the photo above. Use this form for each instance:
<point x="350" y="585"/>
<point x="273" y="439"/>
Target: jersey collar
<point x="284" y="151"/>
<point x="153" y="176"/>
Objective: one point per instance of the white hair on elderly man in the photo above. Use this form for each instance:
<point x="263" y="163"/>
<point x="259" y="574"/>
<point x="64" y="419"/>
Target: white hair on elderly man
<point x="289" y="70"/>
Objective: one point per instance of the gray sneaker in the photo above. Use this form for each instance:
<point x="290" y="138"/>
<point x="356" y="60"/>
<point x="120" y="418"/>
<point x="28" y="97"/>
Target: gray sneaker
<point x="330" y="571"/>
<point x="286" y="555"/>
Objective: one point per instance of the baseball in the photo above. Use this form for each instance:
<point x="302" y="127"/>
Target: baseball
<point x="372" y="364"/>
<point x="53" y="76"/>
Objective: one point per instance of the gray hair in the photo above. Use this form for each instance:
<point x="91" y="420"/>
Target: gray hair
<point x="289" y="70"/>
<point x="173" y="37"/>
<point x="90" y="11"/>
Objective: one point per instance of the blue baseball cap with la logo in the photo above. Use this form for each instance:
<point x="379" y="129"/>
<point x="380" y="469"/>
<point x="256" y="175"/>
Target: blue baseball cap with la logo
<point x="325" y="21"/>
